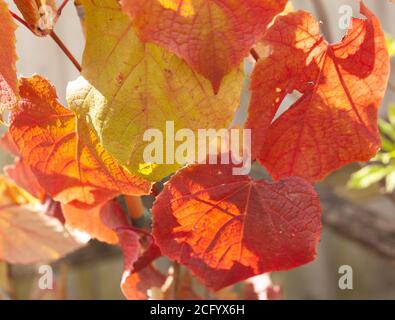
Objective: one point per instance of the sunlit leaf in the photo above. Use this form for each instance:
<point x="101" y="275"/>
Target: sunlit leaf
<point x="212" y="36"/>
<point x="335" y="120"/>
<point x="228" y="228"/>
<point x="368" y="176"/>
<point x="63" y="153"/>
<point x="134" y="86"/>
<point x="8" y="79"/>
<point x="27" y="234"/>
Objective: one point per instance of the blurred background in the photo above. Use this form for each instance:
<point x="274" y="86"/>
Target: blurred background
<point x="359" y="214"/>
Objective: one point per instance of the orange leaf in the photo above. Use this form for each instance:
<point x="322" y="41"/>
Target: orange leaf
<point x="9" y="145"/>
<point x="27" y="234"/>
<point x="23" y="176"/>
<point x="40" y="15"/>
<point x="181" y="288"/>
<point x="20" y="172"/>
<point x="135" y="285"/>
<point x="228" y="228"/>
<point x="334" y="122"/>
<point x="99" y="222"/>
<point x="8" y="79"/>
<point x="64" y="154"/>
<point x="109" y="223"/>
<point x="137" y="281"/>
<point x="212" y="36"/>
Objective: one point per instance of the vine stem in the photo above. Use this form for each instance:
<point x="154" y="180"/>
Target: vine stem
<point x="19" y="19"/>
<point x="138" y="230"/>
<point x="176" y="280"/>
<point x="254" y="54"/>
<point x="135" y="206"/>
<point x="54" y="37"/>
<point x="66" y="51"/>
<point x="11" y="282"/>
<point x="61" y="7"/>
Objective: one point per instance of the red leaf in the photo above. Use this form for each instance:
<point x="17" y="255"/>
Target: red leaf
<point x="64" y="153"/>
<point x="335" y="121"/>
<point x="8" y="79"/>
<point x="20" y="172"/>
<point x="150" y="254"/>
<point x="23" y="176"/>
<point x="129" y="240"/>
<point x="135" y="283"/>
<point x="99" y="222"/>
<point x="109" y="223"/>
<point x="54" y="210"/>
<point x="228" y="228"/>
<point x="213" y="36"/>
<point x="8" y="144"/>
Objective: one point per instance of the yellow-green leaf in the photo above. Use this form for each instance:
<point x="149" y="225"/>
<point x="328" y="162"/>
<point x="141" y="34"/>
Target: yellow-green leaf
<point x="391" y="114"/>
<point x="390" y="179"/>
<point x="132" y="87"/>
<point x="367" y="176"/>
<point x="390" y="45"/>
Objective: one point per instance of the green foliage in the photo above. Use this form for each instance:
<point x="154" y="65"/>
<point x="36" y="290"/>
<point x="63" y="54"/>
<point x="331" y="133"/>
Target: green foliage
<point x="381" y="169"/>
<point x="390" y="44"/>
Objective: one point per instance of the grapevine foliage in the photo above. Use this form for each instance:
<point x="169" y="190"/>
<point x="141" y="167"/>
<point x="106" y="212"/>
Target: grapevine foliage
<point x="151" y="61"/>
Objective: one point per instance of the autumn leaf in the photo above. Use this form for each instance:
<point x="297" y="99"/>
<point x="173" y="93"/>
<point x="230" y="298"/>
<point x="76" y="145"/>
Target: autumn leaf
<point x="334" y="122"/>
<point x="12" y="195"/>
<point x="139" y="275"/>
<point x="227" y="228"/>
<point x="132" y="87"/>
<point x="40" y="15"/>
<point x="8" y="145"/>
<point x="179" y="286"/>
<point x="63" y="153"/>
<point x="108" y="223"/>
<point x="8" y="78"/>
<point x="24" y="177"/>
<point x="135" y="286"/>
<point x="54" y="209"/>
<point x="99" y="222"/>
<point x="150" y="254"/>
<point x="212" y="36"/>
<point x="19" y="171"/>
<point x="27" y="234"/>
<point x="261" y="48"/>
